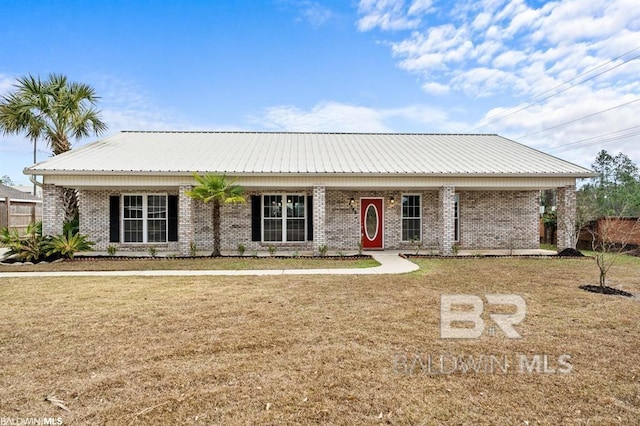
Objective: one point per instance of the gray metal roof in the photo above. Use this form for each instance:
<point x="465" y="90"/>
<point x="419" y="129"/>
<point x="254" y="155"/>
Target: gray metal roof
<point x="16" y="195"/>
<point x="239" y="153"/>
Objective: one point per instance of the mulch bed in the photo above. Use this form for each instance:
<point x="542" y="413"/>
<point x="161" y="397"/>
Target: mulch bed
<point x="605" y="290"/>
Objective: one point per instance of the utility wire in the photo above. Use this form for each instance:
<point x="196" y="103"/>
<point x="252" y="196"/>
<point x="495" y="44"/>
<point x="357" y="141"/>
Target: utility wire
<point x="532" y="101"/>
<point x="607" y="137"/>
<point x="579" y="119"/>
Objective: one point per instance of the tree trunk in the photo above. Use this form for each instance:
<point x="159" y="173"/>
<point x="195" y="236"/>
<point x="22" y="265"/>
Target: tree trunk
<point x="216" y="228"/>
<point x="70" y="204"/>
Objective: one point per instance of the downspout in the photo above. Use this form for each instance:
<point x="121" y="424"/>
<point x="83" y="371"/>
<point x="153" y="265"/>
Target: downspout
<point x="32" y="179"/>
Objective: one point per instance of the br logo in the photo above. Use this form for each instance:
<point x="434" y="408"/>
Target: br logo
<point x="505" y="322"/>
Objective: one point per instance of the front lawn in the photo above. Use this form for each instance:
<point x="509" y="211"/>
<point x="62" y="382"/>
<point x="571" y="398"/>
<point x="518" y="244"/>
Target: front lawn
<point x="199" y="263"/>
<point x="319" y="349"/>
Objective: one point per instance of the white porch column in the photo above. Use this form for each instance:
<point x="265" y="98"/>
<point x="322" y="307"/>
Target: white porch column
<point x="185" y="220"/>
<point x="566" y="211"/>
<point x="319" y="219"/>
<point x="447" y="199"/>
<point x="52" y="209"/>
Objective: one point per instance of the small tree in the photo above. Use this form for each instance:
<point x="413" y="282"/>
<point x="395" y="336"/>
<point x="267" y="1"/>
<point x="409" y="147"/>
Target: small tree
<point x="609" y="239"/>
<point x="218" y="190"/>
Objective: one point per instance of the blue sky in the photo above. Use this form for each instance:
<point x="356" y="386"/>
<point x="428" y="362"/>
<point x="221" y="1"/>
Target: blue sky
<point x="430" y="66"/>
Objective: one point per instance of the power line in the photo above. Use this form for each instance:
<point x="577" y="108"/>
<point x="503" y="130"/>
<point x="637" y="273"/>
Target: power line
<point x="530" y="102"/>
<point x="598" y="138"/>
<point x="598" y="141"/>
<point x="579" y="119"/>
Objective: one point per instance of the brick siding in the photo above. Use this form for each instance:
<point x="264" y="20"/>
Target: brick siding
<point x="488" y="219"/>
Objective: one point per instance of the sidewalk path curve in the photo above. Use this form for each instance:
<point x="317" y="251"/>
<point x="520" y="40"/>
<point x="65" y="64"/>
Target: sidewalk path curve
<point x="390" y="263"/>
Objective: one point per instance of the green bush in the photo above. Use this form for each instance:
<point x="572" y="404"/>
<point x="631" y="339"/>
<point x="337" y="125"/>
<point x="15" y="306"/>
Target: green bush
<point x="241" y="249"/>
<point x="29" y="247"/>
<point x="66" y="245"/>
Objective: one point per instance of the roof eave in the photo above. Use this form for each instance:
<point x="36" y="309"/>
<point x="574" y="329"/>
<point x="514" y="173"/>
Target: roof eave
<point x="29" y="171"/>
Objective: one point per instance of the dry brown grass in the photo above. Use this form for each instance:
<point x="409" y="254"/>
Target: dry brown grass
<point x="204" y="263"/>
<point x="315" y="349"/>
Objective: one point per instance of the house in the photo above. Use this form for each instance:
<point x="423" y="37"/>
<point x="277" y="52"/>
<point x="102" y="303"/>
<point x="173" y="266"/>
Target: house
<point x="307" y="190"/>
<point x="18" y="208"/>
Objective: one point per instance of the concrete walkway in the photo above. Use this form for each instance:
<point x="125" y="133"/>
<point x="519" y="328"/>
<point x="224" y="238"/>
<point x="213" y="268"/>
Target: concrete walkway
<point x="390" y="263"/>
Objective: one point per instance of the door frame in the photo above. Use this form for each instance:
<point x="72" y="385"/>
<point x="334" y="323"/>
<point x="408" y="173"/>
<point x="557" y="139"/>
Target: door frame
<point x="380" y="222"/>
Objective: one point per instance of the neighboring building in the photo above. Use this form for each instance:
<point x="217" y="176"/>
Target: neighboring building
<point x="18" y="209"/>
<point x="307" y="190"/>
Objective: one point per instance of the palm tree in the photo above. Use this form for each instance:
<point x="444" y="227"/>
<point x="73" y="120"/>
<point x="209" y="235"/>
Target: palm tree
<point x="219" y="190"/>
<point x="55" y="110"/>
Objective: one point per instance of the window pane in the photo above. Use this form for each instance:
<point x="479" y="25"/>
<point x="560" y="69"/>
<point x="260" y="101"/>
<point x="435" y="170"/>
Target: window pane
<point x="295" y="230"/>
<point x="295" y="206"/>
<point x="273" y="230"/>
<point x="456" y="218"/>
<point x="411" y="218"/>
<point x="272" y="206"/>
<point x="133" y="231"/>
<point x="157" y="207"/>
<point x="132" y="206"/>
<point x="157" y="231"/>
<point x="410" y="229"/>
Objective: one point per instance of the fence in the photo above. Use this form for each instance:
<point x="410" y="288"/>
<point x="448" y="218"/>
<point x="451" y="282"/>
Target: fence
<point x="19" y="214"/>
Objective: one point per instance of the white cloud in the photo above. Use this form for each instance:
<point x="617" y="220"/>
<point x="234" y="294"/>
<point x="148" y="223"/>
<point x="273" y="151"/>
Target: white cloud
<point x="388" y="15"/>
<point x="498" y="53"/>
<point x="435" y="88"/>
<point x="339" y="117"/>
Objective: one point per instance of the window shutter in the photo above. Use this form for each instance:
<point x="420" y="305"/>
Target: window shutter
<point x="309" y="218"/>
<point x="172" y="217"/>
<point x="256" y="218"/>
<point x="114" y="218"/>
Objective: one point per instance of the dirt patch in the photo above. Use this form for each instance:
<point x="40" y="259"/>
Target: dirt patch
<point x="570" y="252"/>
<point x="606" y="290"/>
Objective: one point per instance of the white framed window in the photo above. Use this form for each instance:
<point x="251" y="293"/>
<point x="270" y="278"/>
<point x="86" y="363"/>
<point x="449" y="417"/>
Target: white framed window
<point x="284" y="218"/>
<point x="411" y="217"/>
<point x="144" y="218"/>
<point x="456" y="219"/>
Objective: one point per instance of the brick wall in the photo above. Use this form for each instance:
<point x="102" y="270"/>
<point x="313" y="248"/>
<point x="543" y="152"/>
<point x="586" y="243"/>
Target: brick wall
<point x="52" y="210"/>
<point x="488" y="219"/>
<point x="93" y="207"/>
<point x="499" y="219"/>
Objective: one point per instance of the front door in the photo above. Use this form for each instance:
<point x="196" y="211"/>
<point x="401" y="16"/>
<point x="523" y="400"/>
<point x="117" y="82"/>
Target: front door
<point x="371" y="223"/>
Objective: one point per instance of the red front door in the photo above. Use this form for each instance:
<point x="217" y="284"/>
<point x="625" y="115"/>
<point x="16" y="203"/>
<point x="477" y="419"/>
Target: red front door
<point x="371" y="223"/>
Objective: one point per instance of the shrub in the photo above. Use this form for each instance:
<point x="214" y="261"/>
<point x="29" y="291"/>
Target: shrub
<point x="66" y="245"/>
<point x="29" y="247"/>
<point x="241" y="249"/>
<point x="193" y="249"/>
<point x="111" y="250"/>
<point x="152" y="251"/>
<point x="323" y="250"/>
<point x="272" y="250"/>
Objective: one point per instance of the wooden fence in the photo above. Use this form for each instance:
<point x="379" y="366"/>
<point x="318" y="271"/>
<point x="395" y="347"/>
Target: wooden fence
<point x="19" y="214"/>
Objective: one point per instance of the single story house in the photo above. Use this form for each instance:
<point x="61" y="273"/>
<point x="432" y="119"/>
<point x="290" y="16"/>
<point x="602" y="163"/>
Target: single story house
<point x="308" y="190"/>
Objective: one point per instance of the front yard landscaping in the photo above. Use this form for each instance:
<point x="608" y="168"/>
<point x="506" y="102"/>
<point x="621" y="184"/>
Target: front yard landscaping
<point x="320" y="349"/>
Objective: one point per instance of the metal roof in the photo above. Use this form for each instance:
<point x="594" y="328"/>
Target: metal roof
<point x="16" y="195"/>
<point x="238" y="153"/>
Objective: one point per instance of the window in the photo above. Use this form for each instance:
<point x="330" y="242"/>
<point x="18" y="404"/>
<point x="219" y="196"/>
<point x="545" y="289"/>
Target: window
<point x="411" y="222"/>
<point x="456" y="219"/>
<point x="144" y="218"/>
<point x="284" y="224"/>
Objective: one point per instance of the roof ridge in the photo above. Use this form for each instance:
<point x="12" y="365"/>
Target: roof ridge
<point x="307" y="133"/>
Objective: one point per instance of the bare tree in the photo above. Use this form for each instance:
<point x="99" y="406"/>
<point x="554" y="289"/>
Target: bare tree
<point x="610" y="237"/>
